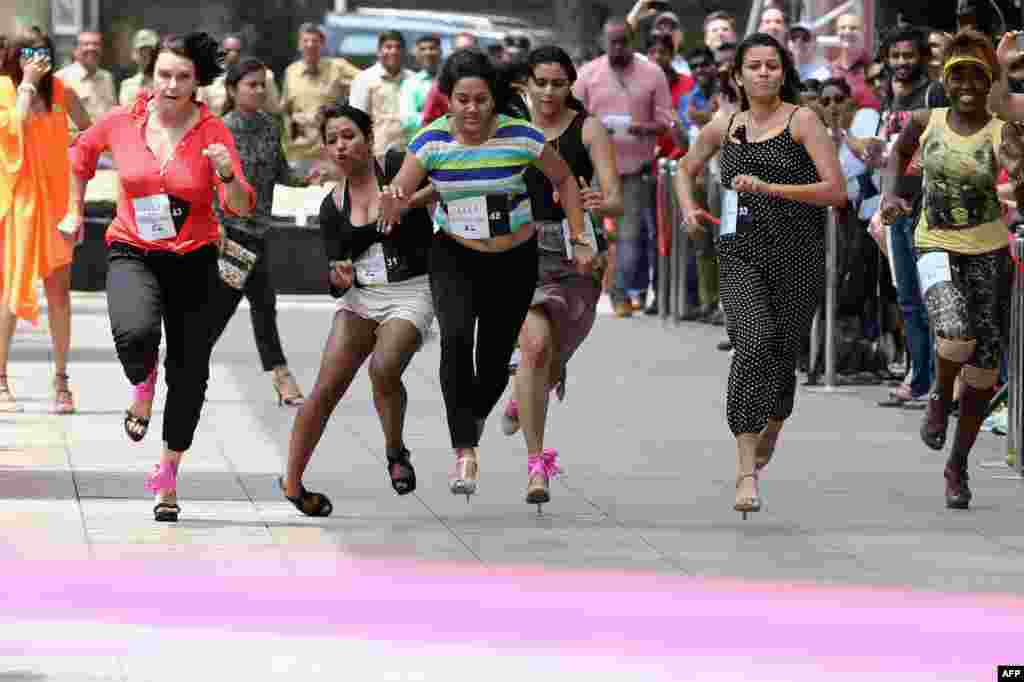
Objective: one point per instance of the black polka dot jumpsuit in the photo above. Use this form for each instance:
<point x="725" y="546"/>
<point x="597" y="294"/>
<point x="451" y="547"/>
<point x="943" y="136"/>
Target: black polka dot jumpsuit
<point x="772" y="276"/>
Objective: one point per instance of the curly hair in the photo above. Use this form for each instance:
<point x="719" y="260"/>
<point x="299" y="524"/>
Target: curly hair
<point x="202" y="50"/>
<point x="970" y="42"/>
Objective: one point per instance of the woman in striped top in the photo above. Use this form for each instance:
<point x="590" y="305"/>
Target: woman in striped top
<point x="483" y="264"/>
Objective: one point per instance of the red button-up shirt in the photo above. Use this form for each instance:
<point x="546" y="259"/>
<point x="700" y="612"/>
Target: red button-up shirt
<point x="189" y="178"/>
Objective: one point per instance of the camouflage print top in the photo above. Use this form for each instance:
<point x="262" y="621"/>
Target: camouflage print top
<point x="258" y="138"/>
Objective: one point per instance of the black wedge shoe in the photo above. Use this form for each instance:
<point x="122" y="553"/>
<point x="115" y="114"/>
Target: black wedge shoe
<point x="403" y="476"/>
<point x="310" y="504"/>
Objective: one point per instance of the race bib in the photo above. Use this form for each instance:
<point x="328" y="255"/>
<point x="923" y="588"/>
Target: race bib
<point x="153" y="216"/>
<point x="479" y="217"/>
<point x="372" y="267"/>
<point x="617" y="124"/>
<point x="932" y="269"/>
<point x="590" y="234"/>
<point x="730" y="207"/>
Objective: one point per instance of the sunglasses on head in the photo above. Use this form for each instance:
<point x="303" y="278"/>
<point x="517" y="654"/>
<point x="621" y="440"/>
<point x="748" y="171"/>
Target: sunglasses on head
<point x="30" y="52"/>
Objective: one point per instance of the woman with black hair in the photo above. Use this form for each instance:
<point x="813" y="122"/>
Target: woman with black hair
<point x="384" y="303"/>
<point x="244" y="257"/>
<point x="564" y="303"/>
<point x="483" y="262"/>
<point x="172" y="157"/>
<point x="779" y="171"/>
<point x="34" y="171"/>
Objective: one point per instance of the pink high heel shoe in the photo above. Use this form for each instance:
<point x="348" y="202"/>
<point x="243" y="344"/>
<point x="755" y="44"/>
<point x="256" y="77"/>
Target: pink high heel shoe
<point x="542" y="467"/>
<point x="135" y="426"/>
<point x="164" y="477"/>
<point x="510" y="418"/>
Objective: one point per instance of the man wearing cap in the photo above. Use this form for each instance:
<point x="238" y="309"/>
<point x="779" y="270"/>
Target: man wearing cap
<point x="93" y="85"/>
<point x="802" y="46"/>
<point x="144" y="46"/>
<point x="309" y="83"/>
<point x="215" y="94"/>
<point x="668" y="23"/>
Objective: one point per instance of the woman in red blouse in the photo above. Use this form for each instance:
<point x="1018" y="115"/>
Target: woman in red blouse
<point x="172" y="154"/>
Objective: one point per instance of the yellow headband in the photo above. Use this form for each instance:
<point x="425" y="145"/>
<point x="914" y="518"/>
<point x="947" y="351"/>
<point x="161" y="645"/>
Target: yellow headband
<point x="966" y="59"/>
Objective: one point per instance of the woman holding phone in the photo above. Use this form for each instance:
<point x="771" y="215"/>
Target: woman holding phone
<point x="36" y="242"/>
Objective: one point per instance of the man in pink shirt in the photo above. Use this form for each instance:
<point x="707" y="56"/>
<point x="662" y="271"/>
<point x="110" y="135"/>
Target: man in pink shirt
<point x="852" y="61"/>
<point x="631" y="97"/>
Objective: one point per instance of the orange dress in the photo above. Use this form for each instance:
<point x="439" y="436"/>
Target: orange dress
<point x="35" y="177"/>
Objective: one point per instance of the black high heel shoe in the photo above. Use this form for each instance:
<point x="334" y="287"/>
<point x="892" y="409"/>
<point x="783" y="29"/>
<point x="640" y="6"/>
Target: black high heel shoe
<point x="403" y="476"/>
<point x="310" y="504"/>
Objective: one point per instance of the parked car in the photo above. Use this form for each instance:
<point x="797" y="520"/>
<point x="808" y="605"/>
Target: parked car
<point x="353" y="35"/>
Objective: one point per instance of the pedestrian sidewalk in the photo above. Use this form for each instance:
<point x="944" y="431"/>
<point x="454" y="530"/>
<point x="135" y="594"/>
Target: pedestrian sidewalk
<point x="638" y="566"/>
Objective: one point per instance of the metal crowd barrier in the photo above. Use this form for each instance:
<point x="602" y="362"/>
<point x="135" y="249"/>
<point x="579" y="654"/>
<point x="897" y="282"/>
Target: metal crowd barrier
<point x="1015" y="357"/>
<point x="663" y="208"/>
<point x="673" y="246"/>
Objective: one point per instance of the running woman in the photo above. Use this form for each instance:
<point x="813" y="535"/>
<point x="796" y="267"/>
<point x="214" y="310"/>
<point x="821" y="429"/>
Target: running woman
<point x="483" y="262"/>
<point x="384" y="305"/>
<point x="172" y="156"/>
<point x="780" y="171"/>
<point x="565" y="302"/>
<point x="962" y="243"/>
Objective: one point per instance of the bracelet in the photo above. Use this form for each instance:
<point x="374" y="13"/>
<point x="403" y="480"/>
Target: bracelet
<point x="28" y="87"/>
<point x="579" y="241"/>
<point x="226" y="180"/>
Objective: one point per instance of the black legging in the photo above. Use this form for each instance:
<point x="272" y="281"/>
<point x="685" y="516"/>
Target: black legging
<point x="262" y="305"/>
<point x="486" y="293"/>
<point x="144" y="289"/>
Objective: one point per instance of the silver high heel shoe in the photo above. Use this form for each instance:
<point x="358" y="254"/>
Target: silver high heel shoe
<point x="464" y="478"/>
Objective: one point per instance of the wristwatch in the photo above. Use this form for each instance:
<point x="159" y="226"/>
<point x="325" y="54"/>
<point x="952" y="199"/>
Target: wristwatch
<point x="226" y="180"/>
<point x="579" y="241"/>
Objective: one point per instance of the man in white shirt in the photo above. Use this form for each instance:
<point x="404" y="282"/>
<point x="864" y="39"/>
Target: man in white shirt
<point x="93" y="85"/>
<point x="802" y="46"/>
<point x="377" y="92"/>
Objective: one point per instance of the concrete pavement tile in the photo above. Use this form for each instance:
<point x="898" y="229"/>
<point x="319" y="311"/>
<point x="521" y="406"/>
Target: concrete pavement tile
<point x="33" y="458"/>
<point x="210" y="525"/>
<point x="80" y="668"/>
<point x="27" y="430"/>
<point x="36" y="483"/>
<point x="192" y="485"/>
<point x="41" y="528"/>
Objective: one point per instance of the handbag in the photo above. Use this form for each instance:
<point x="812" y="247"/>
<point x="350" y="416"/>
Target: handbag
<point x="235" y="263"/>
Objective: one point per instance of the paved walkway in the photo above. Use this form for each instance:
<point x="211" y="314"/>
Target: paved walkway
<point x="639" y="566"/>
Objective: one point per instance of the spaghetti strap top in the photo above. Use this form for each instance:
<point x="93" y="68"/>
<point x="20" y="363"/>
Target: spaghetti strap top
<point x="778" y="160"/>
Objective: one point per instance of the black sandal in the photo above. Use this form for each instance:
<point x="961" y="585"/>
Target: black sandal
<point x="134" y="420"/>
<point x="166" y="512"/>
<point x="310" y="504"/>
<point x="403" y="476"/>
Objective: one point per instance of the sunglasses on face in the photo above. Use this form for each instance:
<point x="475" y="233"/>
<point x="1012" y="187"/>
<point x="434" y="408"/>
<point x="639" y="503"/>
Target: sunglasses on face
<point x="829" y="101"/>
<point x="30" y="52"/>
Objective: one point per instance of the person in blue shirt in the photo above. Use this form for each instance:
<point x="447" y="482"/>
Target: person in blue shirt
<point x="700" y="98"/>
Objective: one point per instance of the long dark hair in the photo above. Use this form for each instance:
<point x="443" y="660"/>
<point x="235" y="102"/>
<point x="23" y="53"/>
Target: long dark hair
<point x="12" y="60"/>
<point x="204" y="52"/>
<point x="472" y="63"/>
<point x="552" y="54"/>
<point x="236" y="72"/>
<point x="791" y="77"/>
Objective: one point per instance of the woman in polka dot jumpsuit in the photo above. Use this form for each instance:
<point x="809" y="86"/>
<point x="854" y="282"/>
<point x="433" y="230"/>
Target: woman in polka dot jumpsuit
<point x="780" y="171"/>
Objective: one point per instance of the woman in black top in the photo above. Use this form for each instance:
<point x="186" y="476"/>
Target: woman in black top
<point x="564" y="303"/>
<point x="384" y="304"/>
<point x="780" y="171"/>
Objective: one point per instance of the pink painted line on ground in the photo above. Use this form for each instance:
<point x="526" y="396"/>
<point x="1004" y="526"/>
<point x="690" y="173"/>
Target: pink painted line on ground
<point x="576" y="612"/>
